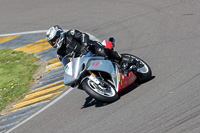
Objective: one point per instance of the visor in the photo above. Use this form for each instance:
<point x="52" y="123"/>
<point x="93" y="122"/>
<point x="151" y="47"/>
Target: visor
<point x="53" y="42"/>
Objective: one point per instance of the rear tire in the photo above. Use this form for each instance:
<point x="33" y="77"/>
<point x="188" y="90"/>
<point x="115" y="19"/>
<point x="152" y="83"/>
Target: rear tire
<point x="90" y="90"/>
<point x="144" y="73"/>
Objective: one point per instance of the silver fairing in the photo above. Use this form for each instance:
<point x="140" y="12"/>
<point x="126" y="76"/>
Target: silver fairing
<point x="76" y="68"/>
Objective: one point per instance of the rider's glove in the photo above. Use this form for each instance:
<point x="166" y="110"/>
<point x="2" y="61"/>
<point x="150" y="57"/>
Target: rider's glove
<point x="84" y="50"/>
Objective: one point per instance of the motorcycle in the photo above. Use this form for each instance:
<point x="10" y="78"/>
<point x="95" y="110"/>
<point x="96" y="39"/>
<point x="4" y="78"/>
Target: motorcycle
<point x="101" y="78"/>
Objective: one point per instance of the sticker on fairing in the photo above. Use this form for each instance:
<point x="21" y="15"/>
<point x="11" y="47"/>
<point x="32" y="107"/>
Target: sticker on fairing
<point x="118" y="77"/>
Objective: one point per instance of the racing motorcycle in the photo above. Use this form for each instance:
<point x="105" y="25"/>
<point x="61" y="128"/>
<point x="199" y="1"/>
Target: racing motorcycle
<point x="101" y="78"/>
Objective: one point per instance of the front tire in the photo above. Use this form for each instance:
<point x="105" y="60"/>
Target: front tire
<point x="100" y="93"/>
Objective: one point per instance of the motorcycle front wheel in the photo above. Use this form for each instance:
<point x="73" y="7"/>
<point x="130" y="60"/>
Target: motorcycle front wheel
<point x="101" y="93"/>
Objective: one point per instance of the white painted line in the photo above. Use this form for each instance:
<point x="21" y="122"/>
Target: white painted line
<point x="55" y="100"/>
<point x="40" y="111"/>
<point x="21" y="33"/>
<point x="27" y="32"/>
<point x="48" y="105"/>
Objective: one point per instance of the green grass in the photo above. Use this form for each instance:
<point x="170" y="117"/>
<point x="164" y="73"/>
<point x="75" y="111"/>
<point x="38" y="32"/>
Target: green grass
<point x="16" y="71"/>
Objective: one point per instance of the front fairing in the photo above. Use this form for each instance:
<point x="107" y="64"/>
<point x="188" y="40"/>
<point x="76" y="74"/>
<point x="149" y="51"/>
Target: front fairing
<point x="75" y="68"/>
<point x="106" y="66"/>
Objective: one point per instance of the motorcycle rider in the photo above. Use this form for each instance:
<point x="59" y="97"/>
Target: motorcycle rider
<point x="74" y="41"/>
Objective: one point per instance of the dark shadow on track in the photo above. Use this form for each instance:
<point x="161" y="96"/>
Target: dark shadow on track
<point x="133" y="87"/>
<point x="89" y="101"/>
<point x="129" y="89"/>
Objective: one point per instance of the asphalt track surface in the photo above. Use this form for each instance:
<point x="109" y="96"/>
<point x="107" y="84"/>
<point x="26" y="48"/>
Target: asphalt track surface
<point x="164" y="33"/>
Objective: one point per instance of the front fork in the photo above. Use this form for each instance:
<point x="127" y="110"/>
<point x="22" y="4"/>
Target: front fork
<point x="94" y="78"/>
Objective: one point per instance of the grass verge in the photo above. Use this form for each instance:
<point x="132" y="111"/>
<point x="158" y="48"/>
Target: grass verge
<point x="16" y="74"/>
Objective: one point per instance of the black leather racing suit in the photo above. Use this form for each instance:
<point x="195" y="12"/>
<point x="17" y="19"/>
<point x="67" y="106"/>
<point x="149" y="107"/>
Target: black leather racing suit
<point x="74" y="42"/>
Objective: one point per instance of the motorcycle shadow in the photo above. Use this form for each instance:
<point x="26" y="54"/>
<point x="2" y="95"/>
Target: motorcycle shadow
<point x="129" y="89"/>
<point x="89" y="101"/>
<point x="134" y="86"/>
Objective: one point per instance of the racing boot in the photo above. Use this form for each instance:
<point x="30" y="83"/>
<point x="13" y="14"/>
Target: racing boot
<point x="112" y="40"/>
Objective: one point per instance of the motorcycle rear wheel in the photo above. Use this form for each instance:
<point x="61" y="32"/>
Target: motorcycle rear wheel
<point x="100" y="93"/>
<point x="143" y="73"/>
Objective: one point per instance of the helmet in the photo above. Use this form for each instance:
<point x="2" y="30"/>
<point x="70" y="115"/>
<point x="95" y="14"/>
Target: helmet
<point x="55" y="36"/>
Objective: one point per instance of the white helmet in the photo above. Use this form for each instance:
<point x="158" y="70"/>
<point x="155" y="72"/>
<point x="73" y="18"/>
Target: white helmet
<point x="55" y="36"/>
